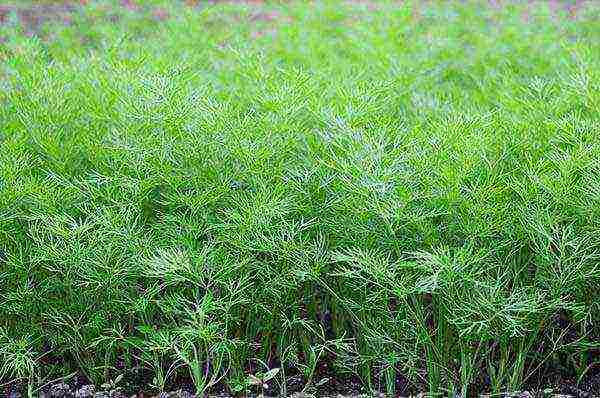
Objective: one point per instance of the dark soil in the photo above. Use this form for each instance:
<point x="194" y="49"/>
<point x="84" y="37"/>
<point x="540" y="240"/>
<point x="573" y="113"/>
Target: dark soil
<point x="326" y="383"/>
<point x="63" y="390"/>
<point x="32" y="17"/>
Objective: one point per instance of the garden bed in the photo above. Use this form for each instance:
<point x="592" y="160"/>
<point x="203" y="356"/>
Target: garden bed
<point x="300" y="197"/>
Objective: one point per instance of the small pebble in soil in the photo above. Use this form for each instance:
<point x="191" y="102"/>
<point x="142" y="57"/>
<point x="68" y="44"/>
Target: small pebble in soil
<point x="60" y="390"/>
<point x="86" y="391"/>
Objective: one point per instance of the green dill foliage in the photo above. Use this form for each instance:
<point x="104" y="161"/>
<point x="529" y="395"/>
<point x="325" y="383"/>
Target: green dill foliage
<point x="217" y="191"/>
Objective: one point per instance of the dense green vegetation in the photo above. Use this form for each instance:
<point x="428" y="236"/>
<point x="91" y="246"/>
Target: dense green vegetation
<point x="389" y="189"/>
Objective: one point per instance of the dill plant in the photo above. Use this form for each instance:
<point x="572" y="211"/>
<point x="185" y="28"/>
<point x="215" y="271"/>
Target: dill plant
<point x="394" y="190"/>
